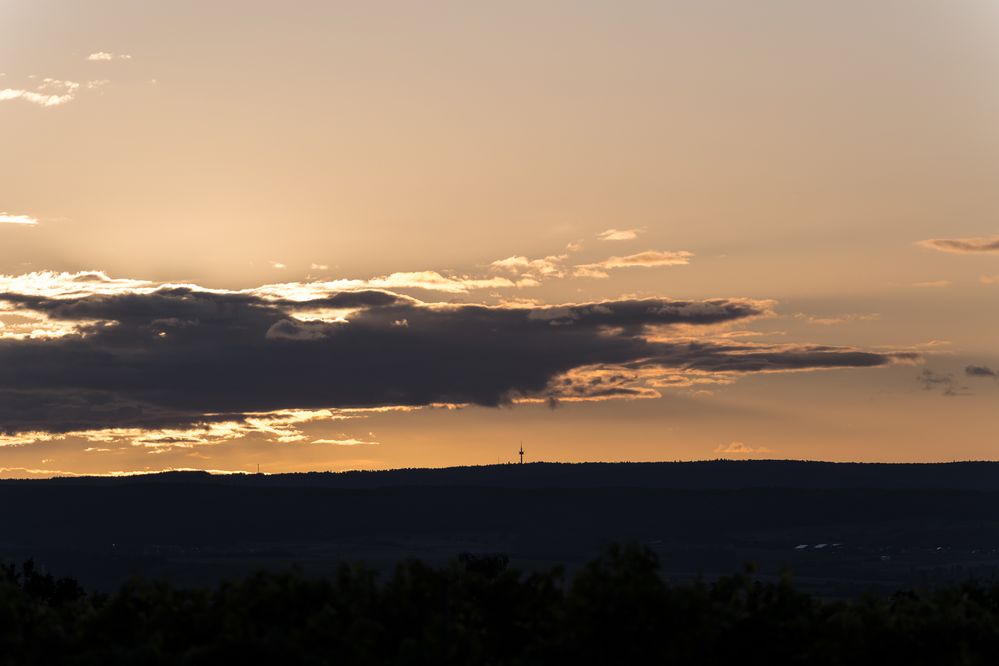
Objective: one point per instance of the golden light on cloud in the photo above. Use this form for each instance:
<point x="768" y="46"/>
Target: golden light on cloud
<point x="620" y="234"/>
<point x="10" y="218"/>
<point x="987" y="245"/>
<point x="647" y="259"/>
<point x="742" y="449"/>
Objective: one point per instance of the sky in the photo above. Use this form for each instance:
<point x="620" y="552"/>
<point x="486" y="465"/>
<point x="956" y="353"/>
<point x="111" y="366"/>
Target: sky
<point x="352" y="235"/>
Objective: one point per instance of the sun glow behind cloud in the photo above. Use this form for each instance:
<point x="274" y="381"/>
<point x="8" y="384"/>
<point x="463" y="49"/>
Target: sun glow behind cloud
<point x="328" y="351"/>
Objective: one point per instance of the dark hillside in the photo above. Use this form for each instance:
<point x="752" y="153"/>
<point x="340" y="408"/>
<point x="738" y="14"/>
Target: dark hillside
<point x="838" y="526"/>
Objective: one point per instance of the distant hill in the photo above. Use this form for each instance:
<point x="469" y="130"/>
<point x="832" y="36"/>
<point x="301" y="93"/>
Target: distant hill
<point x="711" y="474"/>
<point x="840" y="527"/>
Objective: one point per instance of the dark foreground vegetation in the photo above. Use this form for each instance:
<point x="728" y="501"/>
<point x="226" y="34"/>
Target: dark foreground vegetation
<point x="477" y="610"/>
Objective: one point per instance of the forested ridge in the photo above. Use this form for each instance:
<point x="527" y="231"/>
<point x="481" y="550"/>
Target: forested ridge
<point x="479" y="610"/>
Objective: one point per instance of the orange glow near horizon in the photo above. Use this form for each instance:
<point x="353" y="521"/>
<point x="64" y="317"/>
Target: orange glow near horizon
<point x="380" y="226"/>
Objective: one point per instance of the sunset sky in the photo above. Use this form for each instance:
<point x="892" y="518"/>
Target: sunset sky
<point x="319" y="235"/>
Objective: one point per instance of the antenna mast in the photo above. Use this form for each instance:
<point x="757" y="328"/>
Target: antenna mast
<point x="521" y="453"/>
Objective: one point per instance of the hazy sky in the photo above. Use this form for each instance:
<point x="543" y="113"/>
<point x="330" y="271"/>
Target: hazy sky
<point x="332" y="235"/>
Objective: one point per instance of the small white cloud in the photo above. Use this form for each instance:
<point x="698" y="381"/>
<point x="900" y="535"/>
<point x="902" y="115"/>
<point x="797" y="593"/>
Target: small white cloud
<point x="8" y="218"/>
<point x="104" y="56"/>
<point x="620" y="234"/>
<point x="278" y="265"/>
<point x="51" y="92"/>
<point x="319" y="267"/>
<point x="740" y="448"/>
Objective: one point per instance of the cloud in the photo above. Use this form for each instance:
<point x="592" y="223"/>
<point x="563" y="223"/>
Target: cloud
<point x="10" y="218"/>
<point x="620" y="234"/>
<point x="980" y="371"/>
<point x="104" y="56"/>
<point x="833" y="320"/>
<point x="85" y="283"/>
<point x="740" y="448"/>
<point x="52" y="284"/>
<point x="963" y="245"/>
<point x="49" y="93"/>
<point x="127" y="354"/>
<point x="945" y="382"/>
<point x="932" y="284"/>
<point x="277" y="265"/>
<point x="531" y="272"/>
<point x="349" y="441"/>
<point x="989" y="279"/>
<point x="281" y="426"/>
<point x="648" y="259"/>
<point x="434" y="281"/>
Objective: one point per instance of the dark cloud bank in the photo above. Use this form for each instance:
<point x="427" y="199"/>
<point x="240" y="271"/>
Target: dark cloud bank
<point x="179" y="356"/>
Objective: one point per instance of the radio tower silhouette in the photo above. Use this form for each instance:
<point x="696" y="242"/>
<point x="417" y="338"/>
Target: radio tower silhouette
<point x="521" y="453"/>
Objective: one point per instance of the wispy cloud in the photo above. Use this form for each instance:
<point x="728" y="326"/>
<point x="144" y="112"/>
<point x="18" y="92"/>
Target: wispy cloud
<point x="945" y="382"/>
<point x="647" y="259"/>
<point x="980" y="371"/>
<point x="10" y="218"/>
<point x="51" y="92"/>
<point x="104" y="56"/>
<point x="989" y="279"/>
<point x="280" y="426"/>
<point x="620" y="234"/>
<point x="350" y="441"/>
<point x="963" y="245"/>
<point x="742" y="449"/>
<point x="932" y="284"/>
<point x="833" y="320"/>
